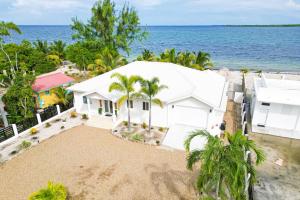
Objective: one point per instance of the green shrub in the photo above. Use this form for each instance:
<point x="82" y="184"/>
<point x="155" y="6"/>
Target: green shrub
<point x="25" y="144"/>
<point x="52" y="192"/>
<point x="125" y="123"/>
<point x="137" y="137"/>
<point x="62" y="127"/>
<point x="84" y="116"/>
<point x="161" y="129"/>
<point x="144" y="125"/>
<point x="47" y="125"/>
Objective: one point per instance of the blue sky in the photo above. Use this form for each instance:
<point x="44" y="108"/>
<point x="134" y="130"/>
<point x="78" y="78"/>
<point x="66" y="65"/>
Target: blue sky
<point x="158" y="12"/>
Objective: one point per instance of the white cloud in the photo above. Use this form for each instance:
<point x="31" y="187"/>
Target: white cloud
<point x="247" y="4"/>
<point x="37" y="6"/>
<point x="293" y="4"/>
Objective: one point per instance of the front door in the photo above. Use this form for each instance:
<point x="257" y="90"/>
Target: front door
<point x="108" y="107"/>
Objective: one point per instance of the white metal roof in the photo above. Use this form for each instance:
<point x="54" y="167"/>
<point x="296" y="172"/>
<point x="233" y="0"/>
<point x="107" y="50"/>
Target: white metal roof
<point x="206" y="86"/>
<point x="277" y="91"/>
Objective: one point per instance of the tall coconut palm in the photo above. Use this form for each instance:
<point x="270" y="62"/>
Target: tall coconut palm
<point x="147" y="55"/>
<point x="124" y="85"/>
<point x="203" y="60"/>
<point x="223" y="166"/>
<point x="149" y="89"/>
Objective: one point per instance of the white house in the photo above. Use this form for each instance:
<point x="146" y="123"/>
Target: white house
<point x="276" y="107"/>
<point x="194" y="99"/>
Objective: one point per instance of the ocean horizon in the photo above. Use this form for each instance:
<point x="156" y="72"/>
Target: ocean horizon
<point x="267" y="48"/>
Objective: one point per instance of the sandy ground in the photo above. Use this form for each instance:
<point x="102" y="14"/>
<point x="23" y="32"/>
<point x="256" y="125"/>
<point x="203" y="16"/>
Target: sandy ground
<point x="278" y="182"/>
<point x="93" y="164"/>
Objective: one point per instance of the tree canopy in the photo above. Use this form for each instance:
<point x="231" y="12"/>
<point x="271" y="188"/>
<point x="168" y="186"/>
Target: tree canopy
<point x="109" y="28"/>
<point x="196" y="60"/>
<point x="18" y="99"/>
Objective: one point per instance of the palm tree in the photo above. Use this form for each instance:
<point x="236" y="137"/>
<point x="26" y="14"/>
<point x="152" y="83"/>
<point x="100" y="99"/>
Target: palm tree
<point x="63" y="95"/>
<point x="42" y="46"/>
<point x="223" y="166"/>
<point x="168" y="56"/>
<point x="124" y="85"/>
<point x="186" y="58"/>
<point x="203" y="60"/>
<point x="147" y="55"/>
<point x="149" y="89"/>
<point x="58" y="47"/>
<point x="110" y="59"/>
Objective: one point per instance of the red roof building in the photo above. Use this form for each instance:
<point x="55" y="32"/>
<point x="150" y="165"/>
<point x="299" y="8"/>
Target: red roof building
<point x="52" y="80"/>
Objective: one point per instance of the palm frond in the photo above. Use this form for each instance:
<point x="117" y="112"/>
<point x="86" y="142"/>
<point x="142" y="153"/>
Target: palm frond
<point x="158" y="102"/>
<point x="116" y="86"/>
<point x="122" y="100"/>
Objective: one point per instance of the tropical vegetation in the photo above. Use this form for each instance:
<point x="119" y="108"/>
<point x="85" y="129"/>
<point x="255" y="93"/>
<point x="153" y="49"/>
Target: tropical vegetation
<point x="18" y="99"/>
<point x="124" y="85"/>
<point x="100" y="41"/>
<point x="197" y="60"/>
<point x="63" y="95"/>
<point x="149" y="89"/>
<point x="223" y="164"/>
<point x="51" y="192"/>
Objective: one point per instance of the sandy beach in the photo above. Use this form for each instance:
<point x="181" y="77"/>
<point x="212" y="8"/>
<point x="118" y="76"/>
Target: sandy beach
<point x="93" y="164"/>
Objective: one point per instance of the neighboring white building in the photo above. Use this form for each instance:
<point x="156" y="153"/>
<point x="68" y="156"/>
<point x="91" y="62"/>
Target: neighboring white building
<point x="276" y="107"/>
<point x="194" y="99"/>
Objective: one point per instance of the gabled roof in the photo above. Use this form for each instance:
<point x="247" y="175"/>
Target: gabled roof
<point x="206" y="86"/>
<point x="277" y="91"/>
<point x="51" y="80"/>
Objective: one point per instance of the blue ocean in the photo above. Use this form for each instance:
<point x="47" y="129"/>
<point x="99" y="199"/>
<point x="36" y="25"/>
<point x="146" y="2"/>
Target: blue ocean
<point x="266" y="48"/>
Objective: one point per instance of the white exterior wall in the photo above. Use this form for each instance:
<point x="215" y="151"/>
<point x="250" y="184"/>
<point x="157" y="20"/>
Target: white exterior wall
<point x="78" y="101"/>
<point x="167" y="116"/>
<point x="138" y="115"/>
<point x="278" y="119"/>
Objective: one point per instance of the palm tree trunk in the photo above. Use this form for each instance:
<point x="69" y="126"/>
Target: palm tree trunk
<point x="150" y="105"/>
<point x="128" y="108"/>
<point x="218" y="189"/>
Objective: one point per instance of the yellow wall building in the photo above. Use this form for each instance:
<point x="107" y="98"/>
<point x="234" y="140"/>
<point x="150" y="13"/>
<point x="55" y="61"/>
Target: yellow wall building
<point x="46" y="85"/>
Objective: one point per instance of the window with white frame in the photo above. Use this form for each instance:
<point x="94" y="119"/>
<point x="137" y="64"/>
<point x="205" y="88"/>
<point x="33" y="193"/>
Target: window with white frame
<point x="84" y="98"/>
<point x="145" y="105"/>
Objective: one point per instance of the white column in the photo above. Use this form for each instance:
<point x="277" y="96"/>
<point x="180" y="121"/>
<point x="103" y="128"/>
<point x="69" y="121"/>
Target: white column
<point x="89" y="106"/>
<point x="38" y="116"/>
<point x="15" y="130"/>
<point x="58" y="109"/>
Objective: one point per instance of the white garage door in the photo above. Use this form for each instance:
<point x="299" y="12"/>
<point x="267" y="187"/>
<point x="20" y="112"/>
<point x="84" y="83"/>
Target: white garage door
<point x="177" y="134"/>
<point x="193" y="116"/>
